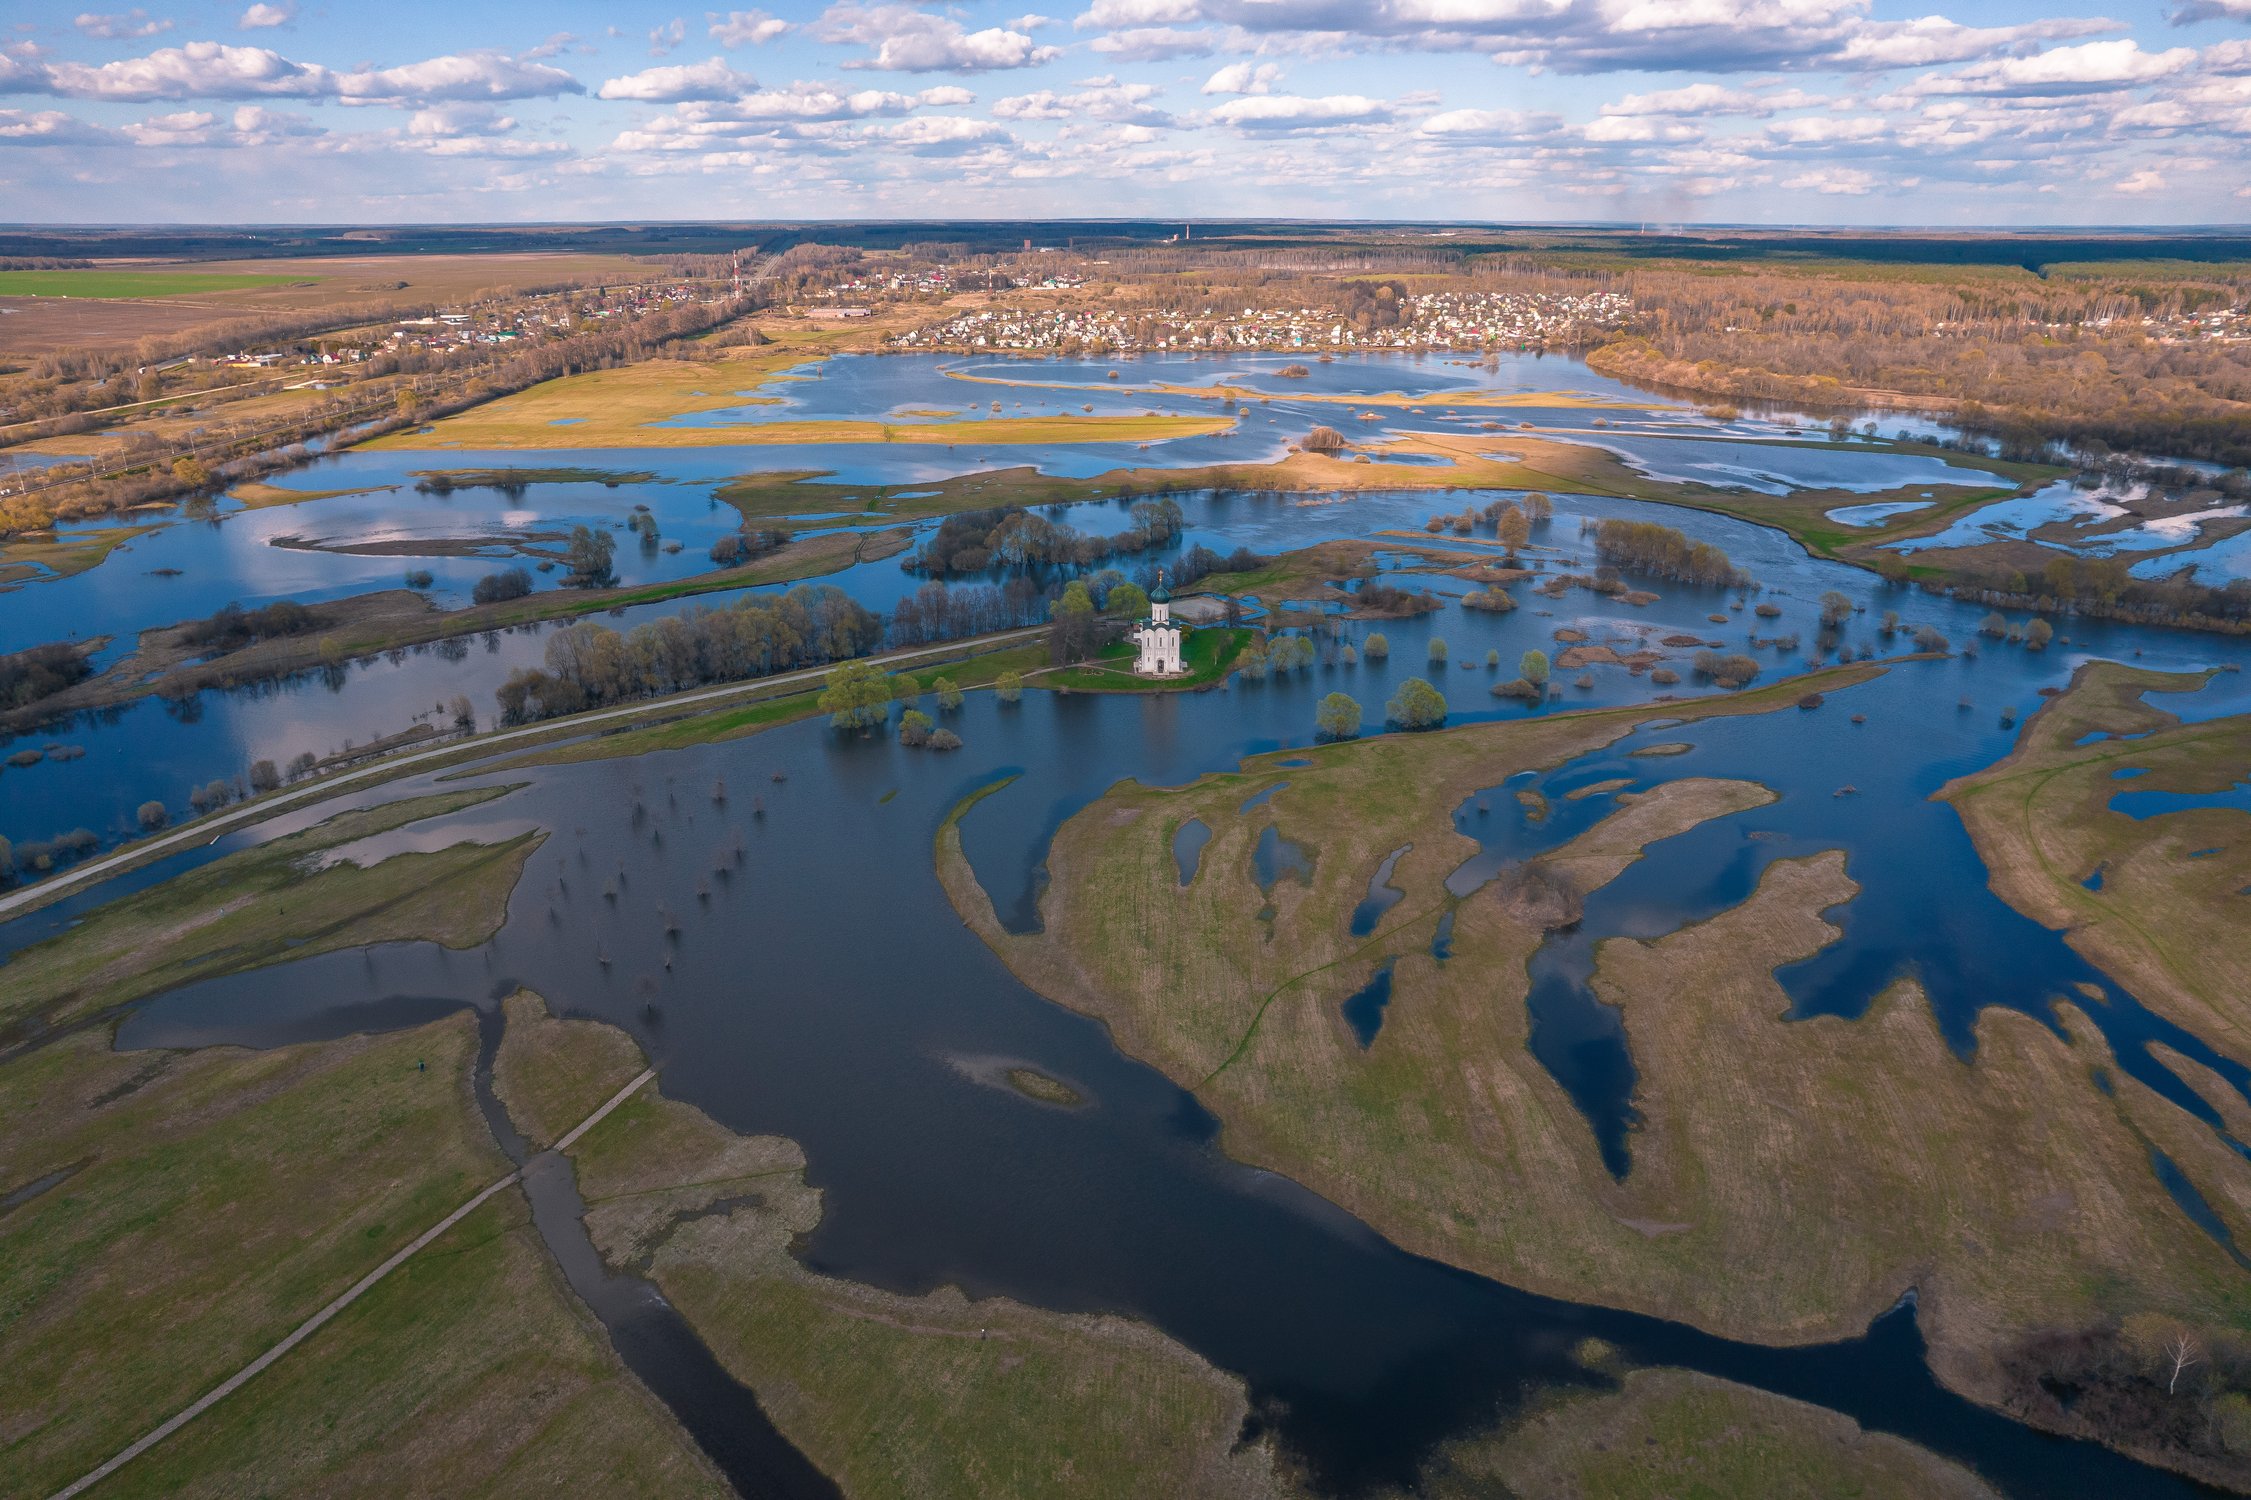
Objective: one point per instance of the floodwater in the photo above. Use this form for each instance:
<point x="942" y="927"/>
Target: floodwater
<point x="846" y="1036"/>
<point x="848" y="1033"/>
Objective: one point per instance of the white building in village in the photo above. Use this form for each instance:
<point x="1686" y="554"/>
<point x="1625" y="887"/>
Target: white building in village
<point x="1158" y="637"/>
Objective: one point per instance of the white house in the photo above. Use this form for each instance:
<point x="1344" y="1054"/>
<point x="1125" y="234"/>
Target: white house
<point x="1158" y="637"/>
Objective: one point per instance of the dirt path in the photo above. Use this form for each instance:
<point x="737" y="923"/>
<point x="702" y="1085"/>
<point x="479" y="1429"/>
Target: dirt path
<point x="359" y="1289"/>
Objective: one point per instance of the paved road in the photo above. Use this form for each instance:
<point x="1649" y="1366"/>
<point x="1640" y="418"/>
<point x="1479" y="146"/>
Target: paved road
<point x="208" y="829"/>
<point x="312" y="1325"/>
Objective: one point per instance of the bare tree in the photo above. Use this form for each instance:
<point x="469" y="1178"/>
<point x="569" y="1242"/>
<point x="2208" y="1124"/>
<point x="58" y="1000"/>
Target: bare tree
<point x="2185" y="1353"/>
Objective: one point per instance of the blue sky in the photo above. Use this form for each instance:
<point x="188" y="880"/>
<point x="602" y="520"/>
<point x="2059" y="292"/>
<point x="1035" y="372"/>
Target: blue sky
<point x="1754" y="111"/>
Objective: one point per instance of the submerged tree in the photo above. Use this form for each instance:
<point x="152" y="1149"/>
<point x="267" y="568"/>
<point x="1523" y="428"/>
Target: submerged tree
<point x="858" y="696"/>
<point x="1378" y="646"/>
<point x="1533" y="668"/>
<point x="1009" y="687"/>
<point x="1337" y="717"/>
<point x="1416" y="705"/>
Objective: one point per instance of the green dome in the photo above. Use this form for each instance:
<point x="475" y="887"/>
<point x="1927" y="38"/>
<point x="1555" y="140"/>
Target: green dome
<point x="1162" y="595"/>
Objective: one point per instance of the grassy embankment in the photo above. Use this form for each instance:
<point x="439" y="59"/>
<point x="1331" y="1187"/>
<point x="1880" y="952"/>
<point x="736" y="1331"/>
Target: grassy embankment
<point x="2168" y="920"/>
<point x="209" y="1201"/>
<point x="1668" y="1434"/>
<point x="258" y="495"/>
<point x="1208" y="653"/>
<point x="23" y="557"/>
<point x="1031" y="661"/>
<point x="219" y="919"/>
<point x="1791" y="1178"/>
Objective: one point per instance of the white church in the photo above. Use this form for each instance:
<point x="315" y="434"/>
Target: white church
<point x="1158" y="637"/>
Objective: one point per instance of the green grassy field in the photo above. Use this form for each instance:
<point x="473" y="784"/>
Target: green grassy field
<point x="1674" y="1435"/>
<point x="119" y="285"/>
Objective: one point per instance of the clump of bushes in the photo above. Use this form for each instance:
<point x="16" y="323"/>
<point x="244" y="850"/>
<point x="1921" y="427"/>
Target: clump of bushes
<point x="234" y="627"/>
<point x="1728" y="669"/>
<point x="41" y="672"/>
<point x="498" y="588"/>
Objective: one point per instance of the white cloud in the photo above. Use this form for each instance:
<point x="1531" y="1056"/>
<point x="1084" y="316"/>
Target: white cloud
<point x="941" y="135"/>
<point x="261" y="17"/>
<point x="1292" y="112"/>
<point x="187" y="128"/>
<point x="50" y="127"/>
<point x="1834" y="181"/>
<point x="132" y="25"/>
<point x="1156" y="44"/>
<point x="1244" y="78"/>
<point x="907" y="40"/>
<point x="1102" y="99"/>
<point x="744" y="28"/>
<point x="2089" y="67"/>
<point x="206" y="70"/>
<point x="475" y="75"/>
<point x="445" y="121"/>
<point x="664" y="38"/>
<point x="1489" y="124"/>
<point x="216" y="70"/>
<point x="711" y="79"/>
<point x="256" y="125"/>
<point x="2144" y="181"/>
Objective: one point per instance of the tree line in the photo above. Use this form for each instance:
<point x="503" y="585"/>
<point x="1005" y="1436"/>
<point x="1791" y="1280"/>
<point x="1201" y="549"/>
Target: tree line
<point x="589" y="664"/>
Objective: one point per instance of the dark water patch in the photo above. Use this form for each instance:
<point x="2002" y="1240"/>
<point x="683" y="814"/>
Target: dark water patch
<point x="1188" y="842"/>
<point x="658" y="1345"/>
<point x="17" y="1197"/>
<point x="1382" y="894"/>
<point x="1260" y="798"/>
<point x="2194" y="1204"/>
<point x="1363" y="1010"/>
<point x="2140" y="805"/>
<point x="2206" y="853"/>
<point x="2128" y="773"/>
<point x="1277" y="857"/>
<point x="1293" y="762"/>
<point x="1442" y="941"/>
<point x="2094" y="879"/>
<point x="280" y="1026"/>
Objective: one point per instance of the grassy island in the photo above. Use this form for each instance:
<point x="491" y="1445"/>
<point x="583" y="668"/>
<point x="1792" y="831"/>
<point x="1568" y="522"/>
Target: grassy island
<point x="1791" y="1178"/>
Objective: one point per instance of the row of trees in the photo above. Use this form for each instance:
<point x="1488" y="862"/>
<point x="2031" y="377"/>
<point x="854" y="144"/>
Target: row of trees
<point x="588" y="664"/>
